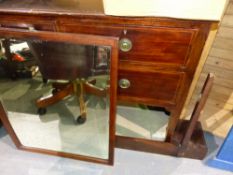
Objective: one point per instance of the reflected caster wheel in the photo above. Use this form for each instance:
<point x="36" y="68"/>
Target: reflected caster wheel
<point x="54" y="91"/>
<point x="45" y="81"/>
<point x="81" y="119"/>
<point x="41" y="111"/>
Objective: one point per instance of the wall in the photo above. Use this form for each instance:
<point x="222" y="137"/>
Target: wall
<point x="218" y="112"/>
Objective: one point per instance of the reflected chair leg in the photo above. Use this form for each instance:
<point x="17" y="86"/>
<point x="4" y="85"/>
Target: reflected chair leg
<point x="59" y="86"/>
<point x="52" y="99"/>
<point x="81" y="101"/>
<point x="91" y="89"/>
<point x="80" y="93"/>
<point x="93" y="82"/>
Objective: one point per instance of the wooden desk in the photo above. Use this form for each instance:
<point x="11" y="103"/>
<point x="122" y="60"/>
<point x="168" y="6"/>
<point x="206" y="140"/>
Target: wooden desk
<point x="160" y="65"/>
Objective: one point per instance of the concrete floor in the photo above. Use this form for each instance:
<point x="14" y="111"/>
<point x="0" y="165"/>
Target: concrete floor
<point x="16" y="162"/>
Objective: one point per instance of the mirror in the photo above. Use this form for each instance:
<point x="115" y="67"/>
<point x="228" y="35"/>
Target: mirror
<point x="61" y="93"/>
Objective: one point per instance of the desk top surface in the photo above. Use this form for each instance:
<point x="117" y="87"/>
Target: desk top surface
<point x="68" y="7"/>
<point x="192" y="9"/>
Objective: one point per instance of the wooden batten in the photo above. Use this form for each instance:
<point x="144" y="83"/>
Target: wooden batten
<point x="230" y="8"/>
<point x="226" y="32"/>
<point x="223" y="43"/>
<point x="220" y="63"/>
<point x="221" y="53"/>
<point x="228" y="20"/>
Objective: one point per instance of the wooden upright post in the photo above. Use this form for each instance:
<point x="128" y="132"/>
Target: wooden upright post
<point x="196" y="113"/>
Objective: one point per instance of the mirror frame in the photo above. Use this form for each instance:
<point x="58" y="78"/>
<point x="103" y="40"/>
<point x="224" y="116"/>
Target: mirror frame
<point x="84" y="39"/>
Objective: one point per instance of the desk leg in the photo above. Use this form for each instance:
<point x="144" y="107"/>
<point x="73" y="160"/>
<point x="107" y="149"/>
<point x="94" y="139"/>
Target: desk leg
<point x="174" y="119"/>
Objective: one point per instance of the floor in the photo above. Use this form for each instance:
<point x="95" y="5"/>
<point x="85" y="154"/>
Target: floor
<point x="17" y="162"/>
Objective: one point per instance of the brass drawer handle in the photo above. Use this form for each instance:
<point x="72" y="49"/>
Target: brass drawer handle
<point x="124" y="83"/>
<point x="125" y="45"/>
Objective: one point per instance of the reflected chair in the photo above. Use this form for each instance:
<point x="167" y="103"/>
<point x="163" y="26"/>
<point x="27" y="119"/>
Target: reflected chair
<point x="71" y="62"/>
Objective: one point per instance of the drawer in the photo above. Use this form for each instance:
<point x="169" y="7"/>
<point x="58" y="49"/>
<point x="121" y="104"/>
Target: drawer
<point x="149" y="87"/>
<point x="39" y="27"/>
<point x="37" y="24"/>
<point x="158" y="45"/>
<point x="149" y="44"/>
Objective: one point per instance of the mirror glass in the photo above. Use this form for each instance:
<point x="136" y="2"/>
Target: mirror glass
<point x="57" y="95"/>
<point x="142" y="121"/>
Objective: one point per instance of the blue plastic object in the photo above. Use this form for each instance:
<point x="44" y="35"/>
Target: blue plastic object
<point x="224" y="158"/>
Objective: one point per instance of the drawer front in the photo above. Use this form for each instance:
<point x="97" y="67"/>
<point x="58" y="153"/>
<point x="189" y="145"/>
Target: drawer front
<point x="167" y="46"/>
<point x="39" y="27"/>
<point x="28" y="23"/>
<point x="152" y="45"/>
<point x="149" y="87"/>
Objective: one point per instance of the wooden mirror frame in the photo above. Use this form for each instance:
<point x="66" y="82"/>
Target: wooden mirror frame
<point x="84" y="39"/>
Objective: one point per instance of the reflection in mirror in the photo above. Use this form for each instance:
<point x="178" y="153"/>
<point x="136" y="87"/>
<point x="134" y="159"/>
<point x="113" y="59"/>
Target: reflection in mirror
<point x="59" y="98"/>
<point x="141" y="121"/>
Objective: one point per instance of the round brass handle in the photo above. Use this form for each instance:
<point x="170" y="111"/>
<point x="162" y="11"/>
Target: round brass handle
<point x="124" y="83"/>
<point x="125" y="45"/>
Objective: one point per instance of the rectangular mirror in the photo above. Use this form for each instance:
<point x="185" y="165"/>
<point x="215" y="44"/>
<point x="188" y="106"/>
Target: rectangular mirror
<point x="59" y="93"/>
